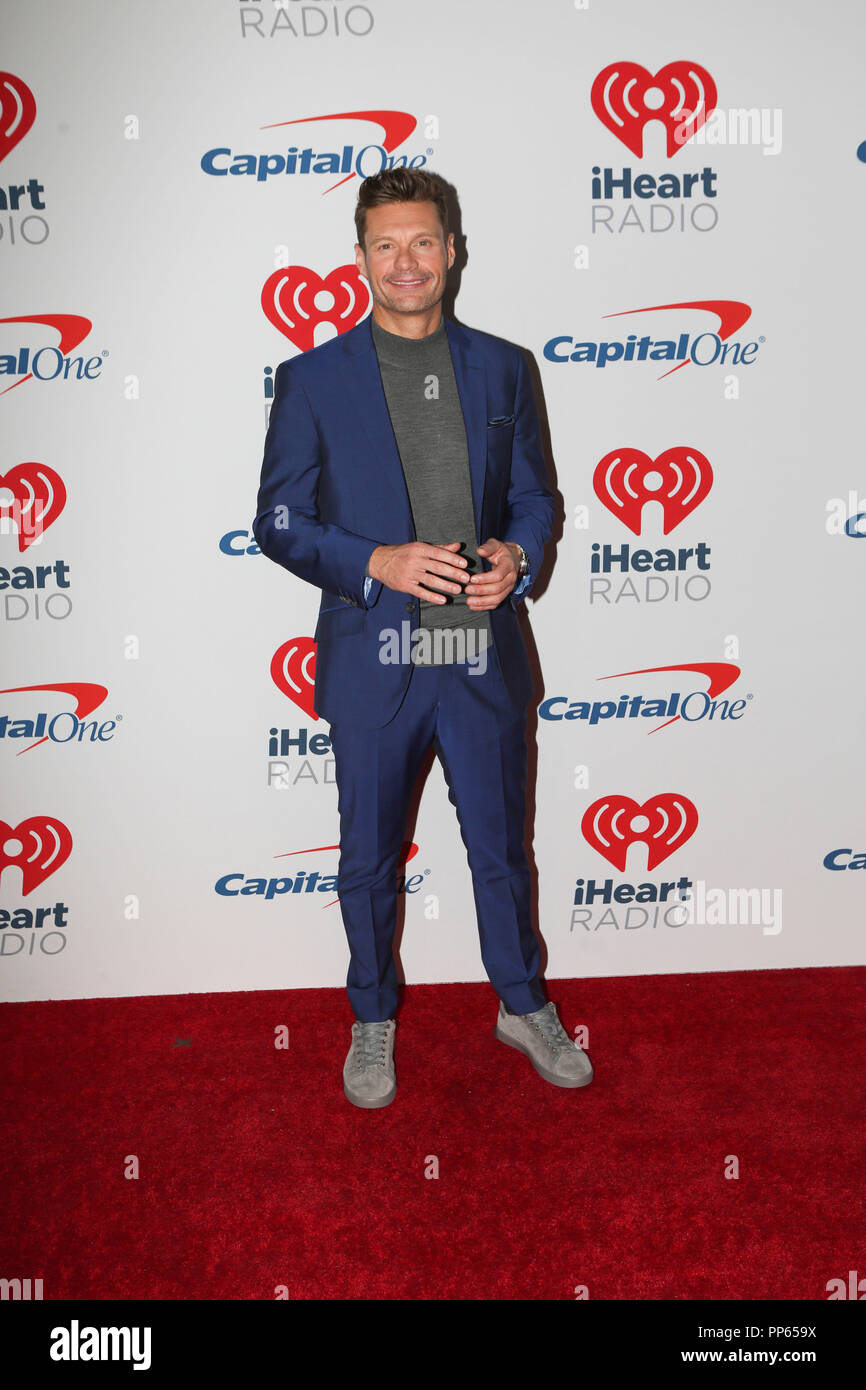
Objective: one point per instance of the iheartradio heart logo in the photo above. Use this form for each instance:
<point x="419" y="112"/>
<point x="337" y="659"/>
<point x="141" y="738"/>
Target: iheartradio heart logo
<point x="17" y="111"/>
<point x="626" y="479"/>
<point x="297" y="300"/>
<point x="39" y="845"/>
<point x="663" y="824"/>
<point x="293" y="671"/>
<point x="38" y="498"/>
<point x="681" y="95"/>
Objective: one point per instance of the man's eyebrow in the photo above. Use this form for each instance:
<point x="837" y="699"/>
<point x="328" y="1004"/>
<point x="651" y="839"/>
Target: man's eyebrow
<point x="388" y="236"/>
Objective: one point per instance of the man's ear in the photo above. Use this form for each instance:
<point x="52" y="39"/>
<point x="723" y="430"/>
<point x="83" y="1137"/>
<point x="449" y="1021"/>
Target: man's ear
<point x="450" y="249"/>
<point x="360" y="260"/>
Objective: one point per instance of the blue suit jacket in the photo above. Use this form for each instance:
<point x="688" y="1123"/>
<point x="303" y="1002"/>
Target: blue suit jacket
<point x="332" y="489"/>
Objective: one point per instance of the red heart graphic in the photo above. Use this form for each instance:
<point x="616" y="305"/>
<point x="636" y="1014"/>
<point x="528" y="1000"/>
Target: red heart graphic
<point x="687" y="92"/>
<point x="620" y="483"/>
<point x="17" y="111"/>
<point x="293" y="671"/>
<point x="45" y="845"/>
<point x="608" y="825"/>
<point x="289" y="300"/>
<point x="38" y="498"/>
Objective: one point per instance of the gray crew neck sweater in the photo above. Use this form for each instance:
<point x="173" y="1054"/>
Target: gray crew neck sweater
<point x="424" y="405"/>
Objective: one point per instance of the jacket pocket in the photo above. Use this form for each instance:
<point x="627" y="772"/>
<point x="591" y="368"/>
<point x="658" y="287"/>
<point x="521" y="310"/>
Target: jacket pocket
<point x="337" y="622"/>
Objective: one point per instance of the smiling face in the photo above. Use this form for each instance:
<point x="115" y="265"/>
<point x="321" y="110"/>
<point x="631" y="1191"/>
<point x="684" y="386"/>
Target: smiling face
<point x="406" y="260"/>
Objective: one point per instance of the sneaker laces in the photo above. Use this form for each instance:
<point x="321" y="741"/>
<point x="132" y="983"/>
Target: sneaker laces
<point x="547" y="1022"/>
<point x="371" y="1044"/>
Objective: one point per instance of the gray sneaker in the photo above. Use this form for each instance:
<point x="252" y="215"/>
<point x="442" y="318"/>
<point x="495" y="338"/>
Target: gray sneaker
<point x="542" y="1038"/>
<point x="368" y="1076"/>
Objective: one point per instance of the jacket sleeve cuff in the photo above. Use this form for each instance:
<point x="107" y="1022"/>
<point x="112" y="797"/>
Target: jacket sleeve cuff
<point x="372" y="588"/>
<point x="521" y="589"/>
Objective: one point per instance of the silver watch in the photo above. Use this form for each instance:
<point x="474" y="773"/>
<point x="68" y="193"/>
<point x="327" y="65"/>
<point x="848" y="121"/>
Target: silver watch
<point x="524" y="561"/>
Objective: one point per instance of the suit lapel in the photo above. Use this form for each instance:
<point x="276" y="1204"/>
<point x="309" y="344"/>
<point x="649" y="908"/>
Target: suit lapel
<point x="472" y="390"/>
<point x="368" y="410"/>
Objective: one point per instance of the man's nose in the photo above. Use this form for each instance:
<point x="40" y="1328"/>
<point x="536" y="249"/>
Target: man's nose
<point x="405" y="258"/>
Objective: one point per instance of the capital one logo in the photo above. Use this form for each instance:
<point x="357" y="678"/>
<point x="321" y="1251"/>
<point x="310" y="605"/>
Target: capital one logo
<point x="17" y="111"/>
<point x="38" y="846"/>
<point x="408" y="850"/>
<point x="663" y="823"/>
<point x="625" y="97"/>
<point x="87" y="696"/>
<point x="293" y="671"/>
<point x="705" y="349"/>
<point x="48" y="363"/>
<point x="292" y="162"/>
<point x="626" y="479"/>
<point x="38" y="498"/>
<point x="396" y="127"/>
<point x="296" y="300"/>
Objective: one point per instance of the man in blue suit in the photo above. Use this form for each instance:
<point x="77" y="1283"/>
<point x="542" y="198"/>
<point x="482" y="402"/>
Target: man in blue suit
<point x="403" y="476"/>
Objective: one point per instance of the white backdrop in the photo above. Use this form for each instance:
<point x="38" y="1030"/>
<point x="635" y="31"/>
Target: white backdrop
<point x="122" y="877"/>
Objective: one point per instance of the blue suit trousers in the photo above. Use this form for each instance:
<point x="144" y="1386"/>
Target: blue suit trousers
<point x="480" y="737"/>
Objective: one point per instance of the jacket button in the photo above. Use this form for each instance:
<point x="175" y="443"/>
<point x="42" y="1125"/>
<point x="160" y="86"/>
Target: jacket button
<point x="410" y="608"/>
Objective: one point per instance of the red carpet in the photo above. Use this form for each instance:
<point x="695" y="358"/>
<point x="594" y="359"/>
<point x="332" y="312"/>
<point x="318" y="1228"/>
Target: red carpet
<point x="255" y="1171"/>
